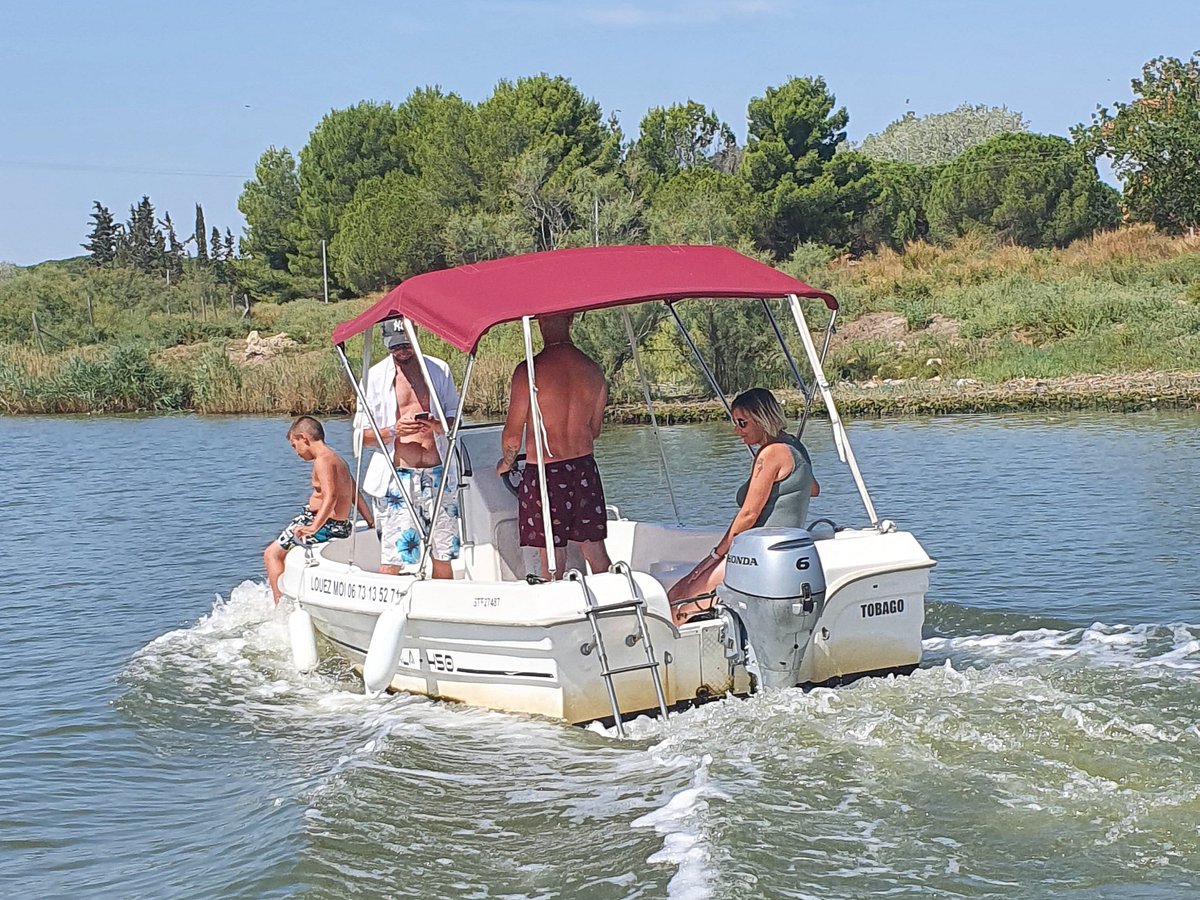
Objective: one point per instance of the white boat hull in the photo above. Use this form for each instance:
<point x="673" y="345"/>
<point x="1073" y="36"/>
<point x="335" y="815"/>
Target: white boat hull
<point x="509" y="645"/>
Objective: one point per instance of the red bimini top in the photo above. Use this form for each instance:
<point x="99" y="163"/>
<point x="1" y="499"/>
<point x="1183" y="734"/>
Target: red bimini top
<point x="459" y="305"/>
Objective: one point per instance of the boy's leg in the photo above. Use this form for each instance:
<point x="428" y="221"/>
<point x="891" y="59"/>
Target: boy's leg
<point x="273" y="558"/>
<point x="276" y="551"/>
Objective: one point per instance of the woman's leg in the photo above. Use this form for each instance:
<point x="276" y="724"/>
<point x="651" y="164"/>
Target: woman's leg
<point x="700" y="583"/>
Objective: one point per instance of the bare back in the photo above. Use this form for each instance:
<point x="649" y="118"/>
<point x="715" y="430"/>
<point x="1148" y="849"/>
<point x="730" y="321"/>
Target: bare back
<point x="331" y="479"/>
<point x="572" y="394"/>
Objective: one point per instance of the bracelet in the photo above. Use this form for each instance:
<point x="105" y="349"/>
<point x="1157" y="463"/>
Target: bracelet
<point x="713" y="554"/>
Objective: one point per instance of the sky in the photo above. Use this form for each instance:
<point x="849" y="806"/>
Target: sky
<point x="111" y="100"/>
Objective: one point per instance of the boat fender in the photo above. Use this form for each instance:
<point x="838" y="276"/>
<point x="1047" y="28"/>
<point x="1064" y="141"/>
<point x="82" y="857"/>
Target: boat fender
<point x="304" y="640"/>
<point x="383" y="654"/>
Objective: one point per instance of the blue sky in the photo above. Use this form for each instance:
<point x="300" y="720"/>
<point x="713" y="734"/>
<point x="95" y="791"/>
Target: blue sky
<point x="111" y="100"/>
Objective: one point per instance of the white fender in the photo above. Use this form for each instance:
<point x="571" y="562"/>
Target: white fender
<point x="384" y="653"/>
<point x="304" y="640"/>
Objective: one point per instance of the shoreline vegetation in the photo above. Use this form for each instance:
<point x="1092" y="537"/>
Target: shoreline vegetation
<point x="1108" y="322"/>
<point x="979" y="266"/>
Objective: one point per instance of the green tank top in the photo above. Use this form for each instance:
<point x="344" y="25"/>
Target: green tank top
<point x="787" y="504"/>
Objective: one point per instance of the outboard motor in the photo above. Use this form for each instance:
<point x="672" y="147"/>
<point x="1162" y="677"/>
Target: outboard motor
<point x="771" y="599"/>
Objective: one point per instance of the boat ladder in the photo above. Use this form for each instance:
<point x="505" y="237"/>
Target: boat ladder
<point x="635" y="605"/>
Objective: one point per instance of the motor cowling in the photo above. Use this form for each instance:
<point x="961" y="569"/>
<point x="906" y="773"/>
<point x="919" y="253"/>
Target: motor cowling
<point x="771" y="598"/>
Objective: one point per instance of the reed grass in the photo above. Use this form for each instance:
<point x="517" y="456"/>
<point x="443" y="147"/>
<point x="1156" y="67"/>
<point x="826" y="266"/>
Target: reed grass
<point x="1121" y="301"/>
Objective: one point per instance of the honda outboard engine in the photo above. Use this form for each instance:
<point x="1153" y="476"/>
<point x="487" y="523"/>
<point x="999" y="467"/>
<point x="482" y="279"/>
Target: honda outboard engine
<point x="771" y="599"/>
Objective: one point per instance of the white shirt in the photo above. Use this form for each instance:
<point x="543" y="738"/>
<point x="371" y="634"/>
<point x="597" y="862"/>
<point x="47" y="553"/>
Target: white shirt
<point x="380" y="391"/>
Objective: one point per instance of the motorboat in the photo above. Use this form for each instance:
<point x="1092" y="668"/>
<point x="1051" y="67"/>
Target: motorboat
<point x="798" y="607"/>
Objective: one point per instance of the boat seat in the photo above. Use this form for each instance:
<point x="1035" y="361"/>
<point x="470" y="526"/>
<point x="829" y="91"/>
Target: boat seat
<point x="668" y="573"/>
<point x="508" y="548"/>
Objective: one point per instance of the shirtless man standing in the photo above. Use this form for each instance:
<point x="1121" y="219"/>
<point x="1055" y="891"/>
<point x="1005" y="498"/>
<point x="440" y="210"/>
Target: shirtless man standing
<point x="327" y="513"/>
<point x="572" y="395"/>
<point x="400" y="404"/>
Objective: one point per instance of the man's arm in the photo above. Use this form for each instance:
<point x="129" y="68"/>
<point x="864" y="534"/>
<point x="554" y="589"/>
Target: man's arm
<point x="374" y="406"/>
<point x="514" y="424"/>
<point x="364" y="509"/>
<point x="598" y="411"/>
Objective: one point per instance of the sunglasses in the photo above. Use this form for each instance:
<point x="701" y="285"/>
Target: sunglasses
<point x="741" y="423"/>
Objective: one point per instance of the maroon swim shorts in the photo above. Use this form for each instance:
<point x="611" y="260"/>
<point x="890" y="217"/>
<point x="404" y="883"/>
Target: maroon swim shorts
<point x="577" y="509"/>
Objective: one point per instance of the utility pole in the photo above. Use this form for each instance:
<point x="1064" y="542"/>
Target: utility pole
<point x="324" y="271"/>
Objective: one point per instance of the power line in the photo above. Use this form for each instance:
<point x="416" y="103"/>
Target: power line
<point x="123" y="170"/>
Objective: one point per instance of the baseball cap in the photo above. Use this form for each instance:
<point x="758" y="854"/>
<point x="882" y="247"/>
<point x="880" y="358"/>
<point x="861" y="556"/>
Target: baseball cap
<point x="394" y="334"/>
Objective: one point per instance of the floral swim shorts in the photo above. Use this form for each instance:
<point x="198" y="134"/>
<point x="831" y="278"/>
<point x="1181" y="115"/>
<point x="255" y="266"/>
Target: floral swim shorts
<point x="577" y="507"/>
<point x="400" y="526"/>
<point x="333" y="528"/>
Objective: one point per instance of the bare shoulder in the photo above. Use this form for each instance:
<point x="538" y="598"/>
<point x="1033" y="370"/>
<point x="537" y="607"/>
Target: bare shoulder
<point x="584" y="363"/>
<point x="774" y="456"/>
<point x="330" y="462"/>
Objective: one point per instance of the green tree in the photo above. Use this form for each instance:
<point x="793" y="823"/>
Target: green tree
<point x="605" y="209"/>
<point x="680" y="137"/>
<point x="794" y="134"/>
<point x="270" y="203"/>
<point x="701" y="206"/>
<point x="940" y="137"/>
<point x="389" y="231"/>
<point x="1154" y="143"/>
<point x="475" y="235"/>
<point x="173" y="255"/>
<point x="532" y="139"/>
<point x="897" y="212"/>
<point x="347" y="147"/>
<point x="199" y="237"/>
<point x="737" y="342"/>
<point x="102" y="239"/>
<point x="1031" y="189"/>
<point x="142" y="244"/>
<point x="435" y="132"/>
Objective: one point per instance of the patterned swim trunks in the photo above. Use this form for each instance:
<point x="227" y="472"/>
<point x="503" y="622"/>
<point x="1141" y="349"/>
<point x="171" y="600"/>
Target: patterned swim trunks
<point x="333" y="528"/>
<point x="577" y="508"/>
<point x="400" y="530"/>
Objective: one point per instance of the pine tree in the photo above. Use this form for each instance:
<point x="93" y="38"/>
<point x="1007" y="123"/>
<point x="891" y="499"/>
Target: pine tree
<point x="173" y="258"/>
<point x="220" y="265"/>
<point x="102" y="239"/>
<point x="201" y="237"/>
<point x="143" y="243"/>
<point x="230" y="248"/>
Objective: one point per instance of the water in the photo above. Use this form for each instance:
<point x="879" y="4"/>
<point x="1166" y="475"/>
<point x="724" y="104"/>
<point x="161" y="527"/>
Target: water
<point x="155" y="740"/>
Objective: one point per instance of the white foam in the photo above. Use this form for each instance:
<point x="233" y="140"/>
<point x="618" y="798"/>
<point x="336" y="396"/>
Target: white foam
<point x="679" y="821"/>
<point x="1175" y="647"/>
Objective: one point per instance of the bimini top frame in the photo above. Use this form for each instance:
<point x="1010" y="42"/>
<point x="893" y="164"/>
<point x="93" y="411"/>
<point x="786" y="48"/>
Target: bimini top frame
<point x="460" y="305"/>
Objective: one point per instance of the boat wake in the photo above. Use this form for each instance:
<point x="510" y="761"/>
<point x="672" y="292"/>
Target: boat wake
<point x="1077" y="745"/>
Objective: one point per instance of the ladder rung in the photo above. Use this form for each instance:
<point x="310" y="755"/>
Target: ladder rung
<point x="613" y="607"/>
<point x="634" y="668"/>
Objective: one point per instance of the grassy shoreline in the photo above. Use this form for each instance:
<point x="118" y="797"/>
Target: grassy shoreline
<point x="1110" y="322"/>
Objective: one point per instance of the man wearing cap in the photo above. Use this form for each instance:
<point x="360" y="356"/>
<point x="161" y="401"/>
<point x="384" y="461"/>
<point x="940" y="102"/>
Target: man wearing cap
<point x="400" y="403"/>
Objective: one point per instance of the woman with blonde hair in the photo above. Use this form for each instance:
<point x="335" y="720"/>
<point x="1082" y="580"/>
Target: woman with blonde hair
<point x="780" y="485"/>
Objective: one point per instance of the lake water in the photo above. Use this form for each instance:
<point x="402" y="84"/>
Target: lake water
<point x="155" y="740"/>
